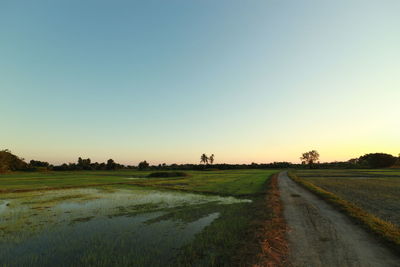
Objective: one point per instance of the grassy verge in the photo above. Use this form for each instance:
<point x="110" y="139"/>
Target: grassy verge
<point x="246" y="234"/>
<point x="385" y="231"/>
<point x="265" y="243"/>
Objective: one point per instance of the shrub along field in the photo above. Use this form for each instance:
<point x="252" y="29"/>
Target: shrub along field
<point x="123" y="218"/>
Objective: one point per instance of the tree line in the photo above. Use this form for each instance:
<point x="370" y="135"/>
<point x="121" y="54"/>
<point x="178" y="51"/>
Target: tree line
<point x="11" y="162"/>
<point x="370" y="160"/>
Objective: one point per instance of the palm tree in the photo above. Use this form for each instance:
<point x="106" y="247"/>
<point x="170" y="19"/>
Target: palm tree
<point x="211" y="158"/>
<point x="204" y="159"/>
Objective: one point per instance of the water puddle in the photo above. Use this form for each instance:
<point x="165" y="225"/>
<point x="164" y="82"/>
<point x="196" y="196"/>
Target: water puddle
<point x="4" y="205"/>
<point x="102" y="227"/>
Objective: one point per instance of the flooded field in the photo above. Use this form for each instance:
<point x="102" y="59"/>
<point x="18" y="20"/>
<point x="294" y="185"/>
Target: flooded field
<point x="103" y="226"/>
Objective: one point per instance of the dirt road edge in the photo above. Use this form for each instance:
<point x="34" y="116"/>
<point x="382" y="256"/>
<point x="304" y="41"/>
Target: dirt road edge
<point x="268" y="232"/>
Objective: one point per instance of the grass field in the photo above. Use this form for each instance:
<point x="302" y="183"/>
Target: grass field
<point x="120" y="218"/>
<point x="232" y="182"/>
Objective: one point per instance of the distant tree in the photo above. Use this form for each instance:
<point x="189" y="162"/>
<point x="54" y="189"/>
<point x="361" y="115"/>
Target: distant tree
<point x="310" y="157"/>
<point x="353" y="161"/>
<point x="211" y="158"/>
<point x="102" y="166"/>
<point x="143" y="165"/>
<point x="378" y="160"/>
<point x="204" y="159"/>
<point x="95" y="166"/>
<point x="111" y="165"/>
<point x="40" y="164"/>
<point x="174" y="166"/>
<point x="62" y="167"/>
<point x="84" y="164"/>
<point x="279" y="165"/>
<point x="11" y="162"/>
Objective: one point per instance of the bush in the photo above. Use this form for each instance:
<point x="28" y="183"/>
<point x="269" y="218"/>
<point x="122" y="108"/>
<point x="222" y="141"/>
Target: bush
<point x="167" y="174"/>
<point x="143" y="165"/>
<point x="378" y="160"/>
<point x="10" y="162"/>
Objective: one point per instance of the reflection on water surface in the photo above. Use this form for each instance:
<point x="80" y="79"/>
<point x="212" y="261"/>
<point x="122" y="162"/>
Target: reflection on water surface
<point x="102" y="227"/>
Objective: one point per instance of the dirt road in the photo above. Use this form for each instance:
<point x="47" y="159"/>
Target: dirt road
<point x="321" y="236"/>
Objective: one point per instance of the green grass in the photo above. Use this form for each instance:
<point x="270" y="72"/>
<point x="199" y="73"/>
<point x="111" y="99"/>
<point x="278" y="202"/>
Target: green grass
<point x="231" y="182"/>
<point x="43" y="180"/>
<point x="223" y="242"/>
<point x="216" y="245"/>
<point x="219" y="242"/>
<point x="370" y="197"/>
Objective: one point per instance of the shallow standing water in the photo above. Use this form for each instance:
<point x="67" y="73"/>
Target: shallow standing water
<point x="102" y="227"/>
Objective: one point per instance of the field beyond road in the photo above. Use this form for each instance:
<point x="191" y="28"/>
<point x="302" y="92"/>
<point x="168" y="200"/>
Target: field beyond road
<point x="320" y="235"/>
<point x="375" y="191"/>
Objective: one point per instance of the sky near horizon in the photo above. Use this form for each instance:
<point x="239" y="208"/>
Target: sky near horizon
<point x="165" y="81"/>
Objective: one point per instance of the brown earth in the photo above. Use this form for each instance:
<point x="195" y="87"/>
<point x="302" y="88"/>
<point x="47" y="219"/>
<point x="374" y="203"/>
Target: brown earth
<point x="266" y="243"/>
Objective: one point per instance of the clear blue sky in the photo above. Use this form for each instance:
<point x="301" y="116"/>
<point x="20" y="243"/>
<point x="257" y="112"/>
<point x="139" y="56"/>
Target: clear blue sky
<point x="168" y="80"/>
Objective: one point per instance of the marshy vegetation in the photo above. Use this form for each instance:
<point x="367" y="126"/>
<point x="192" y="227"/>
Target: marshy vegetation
<point x="125" y="222"/>
<point x="167" y="174"/>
